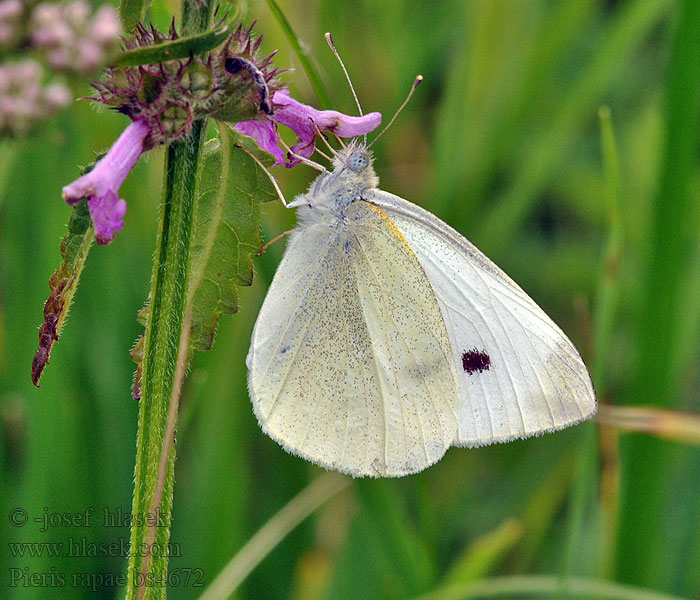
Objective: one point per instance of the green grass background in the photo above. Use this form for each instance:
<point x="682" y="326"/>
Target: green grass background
<point x="503" y="141"/>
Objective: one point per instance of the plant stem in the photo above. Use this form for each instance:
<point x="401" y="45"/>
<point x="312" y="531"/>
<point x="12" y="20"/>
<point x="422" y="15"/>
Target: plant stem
<point x="587" y="480"/>
<point x="153" y="489"/>
<point x="163" y="331"/>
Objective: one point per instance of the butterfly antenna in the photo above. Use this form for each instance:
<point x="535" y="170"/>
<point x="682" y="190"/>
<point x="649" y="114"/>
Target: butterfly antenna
<point x="320" y="134"/>
<point x="323" y="154"/>
<point x="267" y="172"/>
<point x="340" y="141"/>
<point x="331" y="43"/>
<point x="299" y="157"/>
<point x="416" y="83"/>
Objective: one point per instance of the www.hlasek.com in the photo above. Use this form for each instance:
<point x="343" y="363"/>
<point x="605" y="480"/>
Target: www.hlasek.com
<point x="76" y="547"/>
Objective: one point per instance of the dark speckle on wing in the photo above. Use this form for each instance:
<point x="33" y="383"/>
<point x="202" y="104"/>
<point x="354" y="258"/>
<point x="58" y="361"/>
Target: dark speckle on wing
<point x="475" y="360"/>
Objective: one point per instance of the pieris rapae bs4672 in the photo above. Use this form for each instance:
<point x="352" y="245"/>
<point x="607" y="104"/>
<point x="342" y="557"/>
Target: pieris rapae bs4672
<point x="386" y="337"/>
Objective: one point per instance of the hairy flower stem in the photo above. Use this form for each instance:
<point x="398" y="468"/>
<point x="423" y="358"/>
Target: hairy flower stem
<point x="163" y="331"/>
<point x="147" y="578"/>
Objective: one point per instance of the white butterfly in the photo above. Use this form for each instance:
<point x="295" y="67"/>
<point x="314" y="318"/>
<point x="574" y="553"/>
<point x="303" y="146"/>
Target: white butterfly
<point x="386" y="337"/>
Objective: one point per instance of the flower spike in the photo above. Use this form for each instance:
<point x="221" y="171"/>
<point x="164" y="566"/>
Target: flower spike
<point x="163" y="99"/>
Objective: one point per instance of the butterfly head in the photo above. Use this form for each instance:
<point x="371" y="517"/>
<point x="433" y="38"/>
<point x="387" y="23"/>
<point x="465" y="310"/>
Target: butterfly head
<point x="358" y="161"/>
<point x="355" y="157"/>
<point x="351" y="176"/>
<point x="353" y="165"/>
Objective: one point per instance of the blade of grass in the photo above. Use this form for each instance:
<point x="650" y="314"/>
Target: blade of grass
<point x="647" y="462"/>
<point x="608" y="284"/>
<point x="9" y="151"/>
<point x="485" y="552"/>
<point x="603" y="325"/>
<point x="609" y="499"/>
<point x="309" y="69"/>
<point x="384" y="553"/>
<point x="260" y="545"/>
<point x="490" y="131"/>
<point x="395" y="534"/>
<point x="519" y="586"/>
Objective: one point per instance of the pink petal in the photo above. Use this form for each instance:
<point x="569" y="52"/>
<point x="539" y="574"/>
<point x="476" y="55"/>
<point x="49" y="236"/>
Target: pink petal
<point x="101" y="185"/>
<point x="265" y="134"/>
<point x="304" y="120"/>
<point x="107" y="212"/>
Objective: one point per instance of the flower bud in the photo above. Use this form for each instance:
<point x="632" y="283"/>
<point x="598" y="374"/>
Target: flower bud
<point x="171" y="95"/>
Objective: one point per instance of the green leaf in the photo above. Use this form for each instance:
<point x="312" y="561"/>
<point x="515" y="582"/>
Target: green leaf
<point x="232" y="186"/>
<point x="173" y="50"/>
<point x="63" y="283"/>
<point x="132" y="12"/>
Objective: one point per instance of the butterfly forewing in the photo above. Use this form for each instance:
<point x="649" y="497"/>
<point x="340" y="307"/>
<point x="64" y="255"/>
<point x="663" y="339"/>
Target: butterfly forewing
<point x="519" y="374"/>
<point x="350" y="363"/>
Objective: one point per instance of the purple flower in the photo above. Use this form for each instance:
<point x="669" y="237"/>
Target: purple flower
<point x="101" y="185"/>
<point x="24" y="99"/>
<point x="70" y="37"/>
<point x="304" y="120"/>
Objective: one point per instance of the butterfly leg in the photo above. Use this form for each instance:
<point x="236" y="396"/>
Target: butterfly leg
<point x="277" y="238"/>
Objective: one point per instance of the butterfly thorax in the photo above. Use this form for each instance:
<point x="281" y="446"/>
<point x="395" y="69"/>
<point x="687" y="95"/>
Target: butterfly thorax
<point x="333" y="191"/>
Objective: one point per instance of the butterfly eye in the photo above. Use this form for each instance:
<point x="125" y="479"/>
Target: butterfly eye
<point x="357" y="161"/>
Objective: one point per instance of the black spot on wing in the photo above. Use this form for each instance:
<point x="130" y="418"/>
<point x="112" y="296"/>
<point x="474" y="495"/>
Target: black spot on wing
<point x="475" y="360"/>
